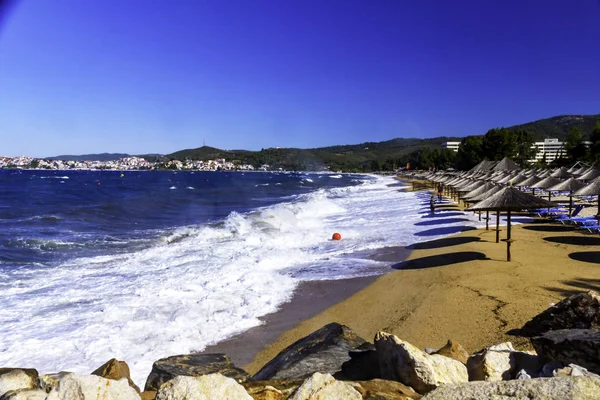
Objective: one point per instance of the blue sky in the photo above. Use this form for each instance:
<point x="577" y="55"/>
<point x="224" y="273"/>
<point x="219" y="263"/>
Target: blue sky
<point x="145" y="76"/>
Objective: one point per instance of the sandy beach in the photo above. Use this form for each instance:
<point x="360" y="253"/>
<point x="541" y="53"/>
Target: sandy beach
<point x="461" y="288"/>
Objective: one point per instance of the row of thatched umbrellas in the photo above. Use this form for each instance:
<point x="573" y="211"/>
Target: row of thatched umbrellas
<point x="497" y="190"/>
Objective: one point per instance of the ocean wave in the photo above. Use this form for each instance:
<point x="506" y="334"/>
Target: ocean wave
<point x="54" y="177"/>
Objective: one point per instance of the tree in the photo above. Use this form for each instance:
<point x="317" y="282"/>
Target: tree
<point x="499" y="143"/>
<point x="525" y="149"/>
<point x="34" y="163"/>
<point x="595" y="144"/>
<point x="574" y="146"/>
<point x="469" y="153"/>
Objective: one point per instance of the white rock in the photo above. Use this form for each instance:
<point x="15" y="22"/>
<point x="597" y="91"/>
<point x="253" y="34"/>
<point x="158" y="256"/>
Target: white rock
<point x="14" y="380"/>
<point x="92" y="387"/>
<point x="403" y="362"/>
<point x="325" y="387"/>
<point x="522" y="374"/>
<point x="49" y="381"/>
<point x="25" y="394"/>
<point x="502" y="362"/>
<point x="573" y="370"/>
<point x="205" y="387"/>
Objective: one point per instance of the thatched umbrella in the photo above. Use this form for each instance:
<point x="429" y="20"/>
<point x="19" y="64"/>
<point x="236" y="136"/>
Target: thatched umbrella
<point x="571" y="185"/>
<point x="582" y="171"/>
<point x="532" y="180"/>
<point x="592" y="173"/>
<point x="517" y="179"/>
<point x="544" y="174"/>
<point x="547" y="183"/>
<point x="510" y="199"/>
<point x="561" y="173"/>
<point x="482" y="195"/>
<point x="591" y="189"/>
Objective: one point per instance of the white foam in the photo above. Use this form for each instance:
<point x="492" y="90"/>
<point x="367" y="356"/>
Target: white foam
<point x="199" y="284"/>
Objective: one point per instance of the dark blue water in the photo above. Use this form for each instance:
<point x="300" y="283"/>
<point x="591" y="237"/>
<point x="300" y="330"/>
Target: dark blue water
<point x="47" y="216"/>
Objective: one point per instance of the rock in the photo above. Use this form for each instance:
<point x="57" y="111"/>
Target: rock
<point x="25" y="394"/>
<point x="212" y="386"/>
<point x="116" y="370"/>
<point x="262" y="390"/>
<point x="549" y="368"/>
<point x="148" y="395"/>
<point x="580" y="388"/>
<point x="92" y="387"/>
<point x="453" y="350"/>
<point x="522" y="374"/>
<point x="166" y="369"/>
<point x="501" y="362"/>
<point x="362" y="366"/>
<point x="403" y="362"/>
<point x="324" y="350"/>
<point x="571" y="346"/>
<point x="573" y="370"/>
<point x="325" y="387"/>
<point x="49" y="381"/>
<point x="15" y="378"/>
<point x="580" y="311"/>
<point x="381" y="389"/>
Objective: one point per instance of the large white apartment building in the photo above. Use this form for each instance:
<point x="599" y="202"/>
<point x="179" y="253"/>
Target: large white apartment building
<point x="551" y="148"/>
<point x="451" y="146"/>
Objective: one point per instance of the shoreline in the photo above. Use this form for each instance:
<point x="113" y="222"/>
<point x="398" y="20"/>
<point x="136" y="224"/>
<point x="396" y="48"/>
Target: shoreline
<point x="460" y="287"/>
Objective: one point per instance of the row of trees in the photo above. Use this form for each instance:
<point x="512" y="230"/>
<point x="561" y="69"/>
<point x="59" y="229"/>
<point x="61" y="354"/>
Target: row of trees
<point x="501" y="142"/>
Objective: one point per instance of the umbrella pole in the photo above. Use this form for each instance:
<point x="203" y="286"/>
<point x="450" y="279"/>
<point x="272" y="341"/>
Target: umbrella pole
<point x="480" y="215"/>
<point x="549" y="196"/>
<point x="570" y="202"/>
<point x="508" y="239"/>
<point x="497" y="226"/>
<point x="487" y="220"/>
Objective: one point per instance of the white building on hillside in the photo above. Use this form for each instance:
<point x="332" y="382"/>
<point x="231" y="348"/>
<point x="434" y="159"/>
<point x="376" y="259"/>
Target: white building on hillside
<point x="451" y="146"/>
<point x="551" y="148"/>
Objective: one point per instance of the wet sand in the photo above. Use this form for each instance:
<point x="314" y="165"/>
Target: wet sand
<point x="461" y="288"/>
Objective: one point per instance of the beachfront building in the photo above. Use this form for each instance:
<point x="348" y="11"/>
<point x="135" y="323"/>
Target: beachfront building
<point x="451" y="146"/>
<point x="549" y="150"/>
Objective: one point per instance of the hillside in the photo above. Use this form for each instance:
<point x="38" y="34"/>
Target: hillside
<point x="343" y="157"/>
<point x="558" y="127"/>
<point x="91" y="157"/>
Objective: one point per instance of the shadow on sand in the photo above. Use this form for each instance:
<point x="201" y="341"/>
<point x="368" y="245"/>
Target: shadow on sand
<point x="443" y="214"/>
<point x="440" y="260"/>
<point x="445" y="242"/>
<point x="577" y="285"/>
<point x="586" y="256"/>
<point x="441" y="221"/>
<point x="575" y="240"/>
<point x="446" y="230"/>
<point x="549" y="228"/>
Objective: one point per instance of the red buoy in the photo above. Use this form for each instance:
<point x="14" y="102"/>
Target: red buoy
<point x="336" y="236"/>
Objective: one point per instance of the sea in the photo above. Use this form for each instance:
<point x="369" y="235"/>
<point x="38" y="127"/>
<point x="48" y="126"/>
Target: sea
<point x="140" y="265"/>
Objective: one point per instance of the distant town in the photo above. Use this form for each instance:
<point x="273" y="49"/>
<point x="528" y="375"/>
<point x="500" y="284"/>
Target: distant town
<point x="125" y="164"/>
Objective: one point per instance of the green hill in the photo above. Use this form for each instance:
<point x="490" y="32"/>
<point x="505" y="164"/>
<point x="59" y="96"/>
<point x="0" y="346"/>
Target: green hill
<point x="558" y="127"/>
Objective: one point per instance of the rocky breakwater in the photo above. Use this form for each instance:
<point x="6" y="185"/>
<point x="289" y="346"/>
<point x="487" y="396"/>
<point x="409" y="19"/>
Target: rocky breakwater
<point x="335" y="363"/>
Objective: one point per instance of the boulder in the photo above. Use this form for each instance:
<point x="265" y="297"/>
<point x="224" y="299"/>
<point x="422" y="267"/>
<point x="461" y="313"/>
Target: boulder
<point x="50" y="381"/>
<point x="571" y="346"/>
<point x="324" y="350"/>
<point x="149" y="395"/>
<point x="561" y="388"/>
<point x="453" y="350"/>
<point x="15" y="378"/>
<point x="580" y="311"/>
<point x="381" y="389"/>
<point x="263" y="390"/>
<point x="92" y="387"/>
<point x="116" y="370"/>
<point x="168" y="368"/>
<point x="502" y="362"/>
<point x="212" y="386"/>
<point x="25" y="394"/>
<point x="325" y="387"/>
<point x="403" y="362"/>
<point x="574" y="370"/>
<point x="363" y="364"/>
